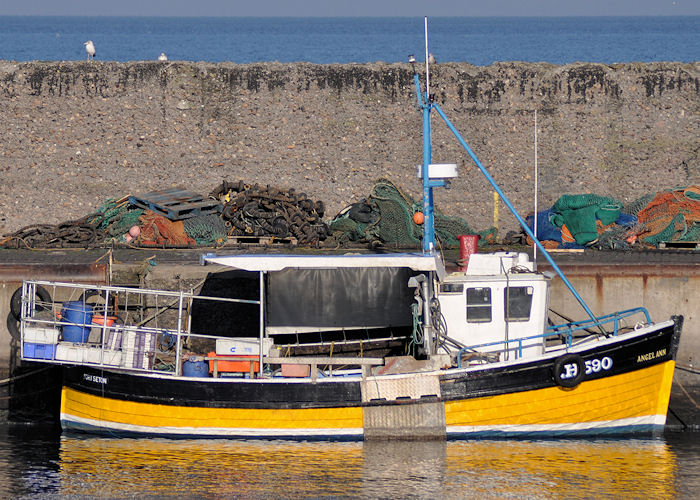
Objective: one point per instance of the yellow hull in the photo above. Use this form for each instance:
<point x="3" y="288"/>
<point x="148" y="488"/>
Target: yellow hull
<point x="621" y="403"/>
<point x="128" y="416"/>
<point x="634" y="399"/>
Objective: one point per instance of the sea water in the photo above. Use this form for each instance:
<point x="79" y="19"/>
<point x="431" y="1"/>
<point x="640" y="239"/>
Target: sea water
<point x="41" y="463"/>
<point x="480" y="41"/>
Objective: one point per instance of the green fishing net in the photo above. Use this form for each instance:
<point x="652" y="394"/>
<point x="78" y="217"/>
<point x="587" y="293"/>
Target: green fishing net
<point x="118" y="217"/>
<point x="206" y="229"/>
<point x="391" y="211"/>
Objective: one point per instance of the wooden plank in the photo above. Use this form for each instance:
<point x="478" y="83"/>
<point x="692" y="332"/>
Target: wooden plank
<point x="323" y="360"/>
<point x="312" y="361"/>
<point x="565" y="250"/>
<point x="260" y="240"/>
<point x="251" y="240"/>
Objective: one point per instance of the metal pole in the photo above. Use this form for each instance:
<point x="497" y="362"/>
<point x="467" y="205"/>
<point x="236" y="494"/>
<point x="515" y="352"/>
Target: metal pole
<point x="428" y="212"/>
<point x="261" y="319"/>
<point x="178" y="350"/>
<point x="428" y="230"/>
<point x="427" y="57"/>
<point x="534" y="217"/>
<point x="427" y="320"/>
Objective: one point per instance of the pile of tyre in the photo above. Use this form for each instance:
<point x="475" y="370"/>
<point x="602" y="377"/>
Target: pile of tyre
<point x="252" y="210"/>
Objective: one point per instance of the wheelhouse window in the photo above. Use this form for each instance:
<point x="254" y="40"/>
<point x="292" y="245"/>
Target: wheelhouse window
<point x="451" y="288"/>
<point x="518" y="303"/>
<point x="478" y="305"/>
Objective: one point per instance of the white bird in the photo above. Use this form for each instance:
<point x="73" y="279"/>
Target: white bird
<point x="431" y="59"/>
<point x="90" y="49"/>
<point x="162" y="57"/>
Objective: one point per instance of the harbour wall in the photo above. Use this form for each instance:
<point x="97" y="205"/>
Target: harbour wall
<point x="77" y="133"/>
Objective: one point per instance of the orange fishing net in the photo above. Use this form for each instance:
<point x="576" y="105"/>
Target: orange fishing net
<point x="668" y="216"/>
<point x="157" y="230"/>
<point x="601" y="228"/>
<point x="566" y="236"/>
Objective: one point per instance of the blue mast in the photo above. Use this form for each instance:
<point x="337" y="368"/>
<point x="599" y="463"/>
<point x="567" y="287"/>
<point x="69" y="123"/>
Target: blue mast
<point x="428" y="213"/>
<point x="425" y="104"/>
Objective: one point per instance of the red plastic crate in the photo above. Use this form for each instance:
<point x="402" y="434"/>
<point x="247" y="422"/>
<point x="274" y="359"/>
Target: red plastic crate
<point x="237" y="364"/>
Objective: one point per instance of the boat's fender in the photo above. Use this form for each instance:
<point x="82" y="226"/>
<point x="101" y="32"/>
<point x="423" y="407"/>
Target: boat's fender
<point x="16" y="301"/>
<point x="569" y="370"/>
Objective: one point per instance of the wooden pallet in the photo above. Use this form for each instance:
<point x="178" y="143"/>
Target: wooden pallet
<point x="176" y="204"/>
<point x="260" y="240"/>
<point x="680" y="245"/>
<point x="566" y="250"/>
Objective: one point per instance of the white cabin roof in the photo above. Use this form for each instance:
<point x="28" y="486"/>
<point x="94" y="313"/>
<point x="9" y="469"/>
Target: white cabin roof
<point x="486" y="264"/>
<point x="271" y="262"/>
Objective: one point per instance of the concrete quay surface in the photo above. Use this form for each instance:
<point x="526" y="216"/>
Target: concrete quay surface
<point x="665" y="282"/>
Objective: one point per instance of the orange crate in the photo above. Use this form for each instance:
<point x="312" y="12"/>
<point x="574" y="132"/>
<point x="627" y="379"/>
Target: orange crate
<point x="237" y="364"/>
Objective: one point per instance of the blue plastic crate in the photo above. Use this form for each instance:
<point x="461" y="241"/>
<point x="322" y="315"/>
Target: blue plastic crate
<point x="39" y="351"/>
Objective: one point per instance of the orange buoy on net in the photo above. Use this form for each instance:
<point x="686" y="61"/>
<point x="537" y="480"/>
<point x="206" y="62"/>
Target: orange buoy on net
<point x="418" y="218"/>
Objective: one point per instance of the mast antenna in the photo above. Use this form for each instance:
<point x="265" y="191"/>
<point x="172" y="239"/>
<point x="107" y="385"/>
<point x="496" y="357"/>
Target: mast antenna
<point x="534" y="217"/>
<point x="427" y="64"/>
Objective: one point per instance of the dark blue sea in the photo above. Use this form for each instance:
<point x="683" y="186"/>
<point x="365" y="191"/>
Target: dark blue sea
<point x="480" y="41"/>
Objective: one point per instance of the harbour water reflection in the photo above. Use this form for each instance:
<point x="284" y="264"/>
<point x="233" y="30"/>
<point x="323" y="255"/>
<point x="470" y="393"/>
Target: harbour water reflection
<point x="43" y="463"/>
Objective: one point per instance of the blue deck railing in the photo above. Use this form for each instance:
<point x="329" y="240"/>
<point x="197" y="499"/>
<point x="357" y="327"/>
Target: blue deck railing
<point x="567" y="329"/>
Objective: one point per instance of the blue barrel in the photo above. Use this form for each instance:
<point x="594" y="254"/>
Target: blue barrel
<point x="80" y="314"/>
<point x="195" y="369"/>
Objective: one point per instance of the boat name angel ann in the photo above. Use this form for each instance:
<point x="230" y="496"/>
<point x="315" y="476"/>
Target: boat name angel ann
<point x="651" y="355"/>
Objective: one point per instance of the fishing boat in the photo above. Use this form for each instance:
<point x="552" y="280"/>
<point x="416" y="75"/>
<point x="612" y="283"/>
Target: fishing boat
<point x="353" y="346"/>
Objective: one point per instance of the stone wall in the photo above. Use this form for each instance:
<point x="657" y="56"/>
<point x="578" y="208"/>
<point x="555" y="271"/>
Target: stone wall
<point x="77" y="133"/>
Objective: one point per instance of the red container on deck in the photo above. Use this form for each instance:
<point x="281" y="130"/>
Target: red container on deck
<point x="234" y="364"/>
<point x="100" y="320"/>
<point x="468" y="245"/>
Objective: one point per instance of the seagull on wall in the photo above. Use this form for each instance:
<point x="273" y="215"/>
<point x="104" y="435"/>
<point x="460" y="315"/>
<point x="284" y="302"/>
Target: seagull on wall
<point x="162" y="57"/>
<point x="431" y="59"/>
<point x="90" y="49"/>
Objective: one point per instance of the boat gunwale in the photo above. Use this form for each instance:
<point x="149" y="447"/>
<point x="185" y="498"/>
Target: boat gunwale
<point x="442" y="373"/>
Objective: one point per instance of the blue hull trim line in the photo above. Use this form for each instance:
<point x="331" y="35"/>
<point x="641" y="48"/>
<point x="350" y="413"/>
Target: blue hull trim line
<point x="78" y="430"/>
<point x="625" y="430"/>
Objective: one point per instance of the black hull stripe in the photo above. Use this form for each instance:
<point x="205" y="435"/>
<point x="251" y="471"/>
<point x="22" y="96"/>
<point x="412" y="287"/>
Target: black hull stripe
<point x="650" y="349"/>
<point x="626" y="357"/>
